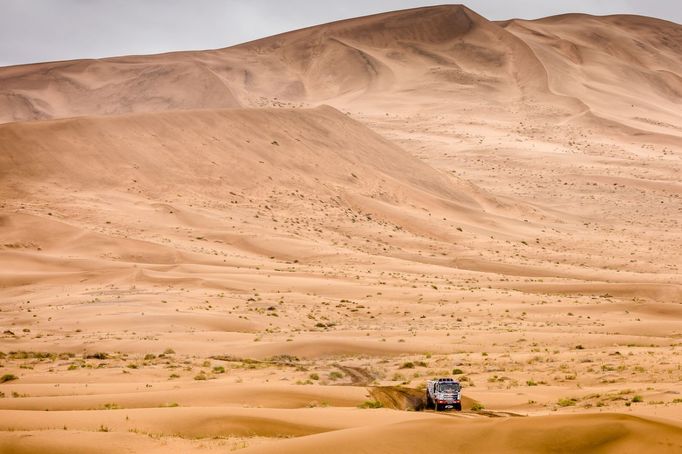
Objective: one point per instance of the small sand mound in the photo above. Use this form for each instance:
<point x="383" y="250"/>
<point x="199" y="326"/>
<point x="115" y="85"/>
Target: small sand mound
<point x="411" y="399"/>
<point x="399" y="398"/>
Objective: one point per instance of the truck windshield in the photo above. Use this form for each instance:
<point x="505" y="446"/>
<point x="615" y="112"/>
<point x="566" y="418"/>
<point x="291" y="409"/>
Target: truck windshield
<point x="448" y="387"/>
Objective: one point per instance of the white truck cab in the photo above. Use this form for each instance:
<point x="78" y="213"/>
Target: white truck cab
<point x="444" y="394"/>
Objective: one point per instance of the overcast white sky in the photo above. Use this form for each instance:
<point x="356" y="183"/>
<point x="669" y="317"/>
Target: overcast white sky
<point x="45" y="30"/>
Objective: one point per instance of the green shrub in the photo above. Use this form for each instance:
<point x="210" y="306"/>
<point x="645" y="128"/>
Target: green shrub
<point x="371" y="404"/>
<point x="98" y="355"/>
<point x="8" y="377"/>
<point x="567" y="402"/>
<point x="335" y="375"/>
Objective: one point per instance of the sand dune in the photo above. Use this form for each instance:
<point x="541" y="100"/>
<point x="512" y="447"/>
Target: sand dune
<point x="380" y="54"/>
<point x="605" y="433"/>
<point x="623" y="68"/>
<point x="257" y="246"/>
<point x="221" y="151"/>
<point x="96" y="87"/>
<point x="575" y="63"/>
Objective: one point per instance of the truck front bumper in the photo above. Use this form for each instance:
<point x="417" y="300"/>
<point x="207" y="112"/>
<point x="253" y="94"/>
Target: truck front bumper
<point x="448" y="403"/>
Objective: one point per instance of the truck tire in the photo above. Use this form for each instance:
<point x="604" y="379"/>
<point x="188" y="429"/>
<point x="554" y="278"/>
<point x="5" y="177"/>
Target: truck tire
<point x="429" y="402"/>
<point x="458" y="407"/>
<point x="439" y="407"/>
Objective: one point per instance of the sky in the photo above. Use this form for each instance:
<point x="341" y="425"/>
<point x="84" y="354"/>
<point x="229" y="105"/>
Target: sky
<point x="48" y="30"/>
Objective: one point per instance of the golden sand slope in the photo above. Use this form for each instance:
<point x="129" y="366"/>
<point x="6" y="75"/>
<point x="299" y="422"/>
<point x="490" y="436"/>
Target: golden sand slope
<point x="604" y="433"/>
<point x="424" y="49"/>
<point x="215" y="151"/>
<point x="617" y="68"/>
<point x="595" y="433"/>
<point x="626" y="69"/>
<point x="286" y="248"/>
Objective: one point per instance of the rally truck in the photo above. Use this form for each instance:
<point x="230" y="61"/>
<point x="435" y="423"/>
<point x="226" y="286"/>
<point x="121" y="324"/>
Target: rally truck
<point x="443" y="394"/>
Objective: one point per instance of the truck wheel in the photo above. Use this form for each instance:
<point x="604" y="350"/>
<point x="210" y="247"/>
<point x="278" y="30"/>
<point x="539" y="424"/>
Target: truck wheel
<point x="458" y="407"/>
<point x="428" y="401"/>
<point x="438" y="407"/>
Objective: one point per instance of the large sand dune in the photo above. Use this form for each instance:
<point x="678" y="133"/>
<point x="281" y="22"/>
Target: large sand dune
<point x="252" y="247"/>
<point x="601" y="66"/>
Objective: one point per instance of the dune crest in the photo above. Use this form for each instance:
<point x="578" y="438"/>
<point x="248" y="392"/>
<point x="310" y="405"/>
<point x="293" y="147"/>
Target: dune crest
<point x="421" y="54"/>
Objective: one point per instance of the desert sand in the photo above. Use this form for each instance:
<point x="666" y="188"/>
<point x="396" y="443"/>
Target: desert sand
<point x="270" y="247"/>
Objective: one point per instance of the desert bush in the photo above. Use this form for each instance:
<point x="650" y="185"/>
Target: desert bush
<point x="567" y="402"/>
<point x="335" y="375"/>
<point x="8" y="377"/>
<point x="371" y="404"/>
<point x="98" y="355"/>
